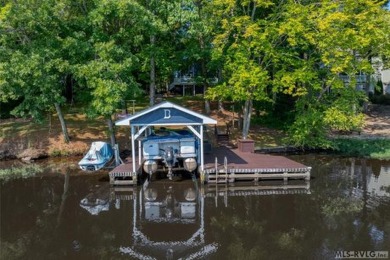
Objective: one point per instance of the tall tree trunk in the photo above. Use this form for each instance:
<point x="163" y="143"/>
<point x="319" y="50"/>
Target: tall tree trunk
<point x="63" y="124"/>
<point x="220" y="105"/>
<point x="204" y="76"/>
<point x="111" y="131"/>
<point x="247" y="118"/>
<point x="152" y="88"/>
<point x="239" y="119"/>
<point x="207" y="106"/>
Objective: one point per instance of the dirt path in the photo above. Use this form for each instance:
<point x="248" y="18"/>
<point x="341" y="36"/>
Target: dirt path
<point x="377" y="123"/>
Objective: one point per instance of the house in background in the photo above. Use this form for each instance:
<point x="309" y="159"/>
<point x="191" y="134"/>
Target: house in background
<point x="189" y="81"/>
<point x="364" y="82"/>
<point x="385" y="77"/>
<point x="367" y="82"/>
<point x="381" y="74"/>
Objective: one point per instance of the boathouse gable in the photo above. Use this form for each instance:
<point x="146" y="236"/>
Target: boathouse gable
<point x="166" y="113"/>
<point x="167" y="116"/>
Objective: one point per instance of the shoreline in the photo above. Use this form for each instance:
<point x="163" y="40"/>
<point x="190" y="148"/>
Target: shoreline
<point x="28" y="141"/>
<point x="355" y="144"/>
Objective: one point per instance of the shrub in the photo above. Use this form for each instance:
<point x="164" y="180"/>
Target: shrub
<point x="20" y="172"/>
<point x="372" y="148"/>
<point x="380" y="99"/>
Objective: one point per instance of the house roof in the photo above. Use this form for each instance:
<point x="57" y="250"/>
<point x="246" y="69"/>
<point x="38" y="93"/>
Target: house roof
<point x="166" y="113"/>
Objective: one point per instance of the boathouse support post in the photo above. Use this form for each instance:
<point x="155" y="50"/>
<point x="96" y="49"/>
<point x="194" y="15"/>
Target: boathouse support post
<point x="132" y="148"/>
<point x="201" y="149"/>
<point x="135" y="136"/>
<point x="135" y="178"/>
<point x="139" y="153"/>
<point x="200" y="136"/>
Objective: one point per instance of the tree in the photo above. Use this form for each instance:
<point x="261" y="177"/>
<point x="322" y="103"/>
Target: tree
<point x="157" y="54"/>
<point x="246" y="52"/>
<point x="196" y="41"/>
<point x="107" y="74"/>
<point x="300" y="48"/>
<point x="331" y="38"/>
<point x="31" y="62"/>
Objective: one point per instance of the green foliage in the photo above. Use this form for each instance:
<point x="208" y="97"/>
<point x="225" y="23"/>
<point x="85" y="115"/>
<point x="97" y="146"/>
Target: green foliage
<point x="311" y="127"/>
<point x="343" y="120"/>
<point x="337" y="207"/>
<point x="19" y="172"/>
<point x="30" y="56"/>
<point x="101" y="51"/>
<point x="344" y="114"/>
<point x="371" y="148"/>
<point x="300" y="49"/>
<point x="291" y="240"/>
<point x="381" y="99"/>
<point x="109" y="78"/>
<point x="308" y="129"/>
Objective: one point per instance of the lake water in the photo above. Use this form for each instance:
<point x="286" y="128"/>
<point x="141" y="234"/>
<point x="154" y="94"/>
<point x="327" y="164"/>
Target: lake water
<point x="63" y="213"/>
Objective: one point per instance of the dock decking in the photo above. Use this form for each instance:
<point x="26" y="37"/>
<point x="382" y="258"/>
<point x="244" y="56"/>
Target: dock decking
<point x="223" y="165"/>
<point x="227" y="165"/>
<point x="123" y="174"/>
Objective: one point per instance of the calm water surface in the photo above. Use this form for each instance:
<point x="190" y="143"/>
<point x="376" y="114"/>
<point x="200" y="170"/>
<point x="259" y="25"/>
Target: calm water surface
<point x="63" y="213"/>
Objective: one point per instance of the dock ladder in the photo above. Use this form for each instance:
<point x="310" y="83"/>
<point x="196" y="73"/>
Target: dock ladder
<point x="221" y="174"/>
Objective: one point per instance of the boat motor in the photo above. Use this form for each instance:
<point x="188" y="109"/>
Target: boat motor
<point x="169" y="159"/>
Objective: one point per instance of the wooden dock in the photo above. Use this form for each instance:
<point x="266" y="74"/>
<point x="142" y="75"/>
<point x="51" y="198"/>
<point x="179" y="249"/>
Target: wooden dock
<point x="123" y="174"/>
<point x="225" y="165"/>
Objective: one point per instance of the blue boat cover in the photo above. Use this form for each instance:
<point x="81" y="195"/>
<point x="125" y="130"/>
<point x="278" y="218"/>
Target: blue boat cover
<point x="98" y="155"/>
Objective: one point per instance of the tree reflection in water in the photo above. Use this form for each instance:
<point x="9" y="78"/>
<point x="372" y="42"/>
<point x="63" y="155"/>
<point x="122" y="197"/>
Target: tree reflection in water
<point x="71" y="215"/>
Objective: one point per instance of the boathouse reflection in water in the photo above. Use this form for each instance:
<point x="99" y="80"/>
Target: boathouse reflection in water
<point x="159" y="210"/>
<point x="348" y="209"/>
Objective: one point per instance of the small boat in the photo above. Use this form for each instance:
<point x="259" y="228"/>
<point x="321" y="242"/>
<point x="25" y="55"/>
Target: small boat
<point x="97" y="157"/>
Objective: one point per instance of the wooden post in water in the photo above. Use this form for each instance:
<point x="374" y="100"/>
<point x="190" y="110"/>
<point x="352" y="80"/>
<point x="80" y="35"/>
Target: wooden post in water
<point x="226" y="169"/>
<point x="216" y="169"/>
<point x="118" y="159"/>
<point x="135" y="178"/>
<point x="285" y="177"/>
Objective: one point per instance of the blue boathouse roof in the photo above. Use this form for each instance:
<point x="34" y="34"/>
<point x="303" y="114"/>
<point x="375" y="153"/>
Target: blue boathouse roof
<point x="166" y="113"/>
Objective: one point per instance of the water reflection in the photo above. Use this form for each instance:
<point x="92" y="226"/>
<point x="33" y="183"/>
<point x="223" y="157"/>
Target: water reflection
<point x="65" y="214"/>
<point x="97" y="201"/>
<point x="379" y="183"/>
<point x="169" y="218"/>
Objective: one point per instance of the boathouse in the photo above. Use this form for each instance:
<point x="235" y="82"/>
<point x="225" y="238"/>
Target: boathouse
<point x="165" y="114"/>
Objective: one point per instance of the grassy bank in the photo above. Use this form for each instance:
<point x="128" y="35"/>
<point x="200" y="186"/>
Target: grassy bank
<point x="371" y="148"/>
<point x="19" y="172"/>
